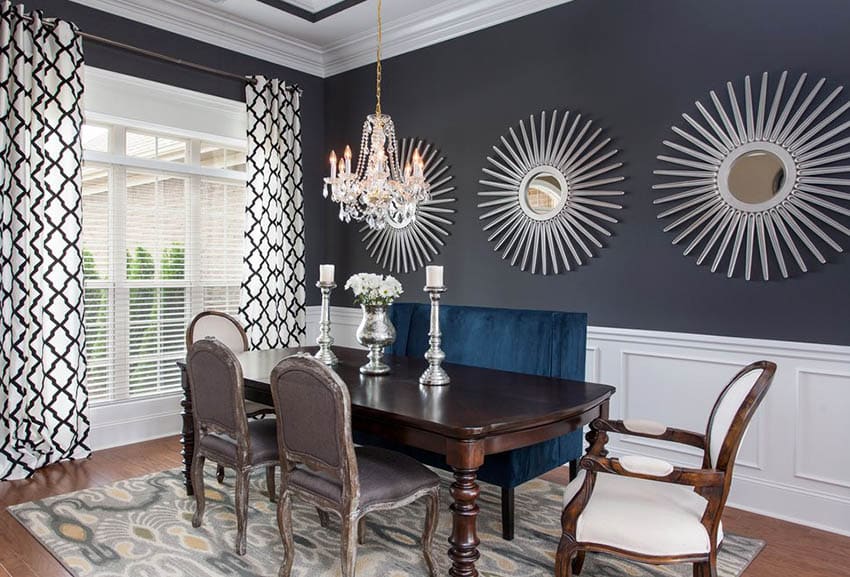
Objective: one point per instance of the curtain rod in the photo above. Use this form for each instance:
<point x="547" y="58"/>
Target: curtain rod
<point x="156" y="55"/>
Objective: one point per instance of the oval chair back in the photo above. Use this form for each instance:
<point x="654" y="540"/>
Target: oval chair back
<point x="732" y="413"/>
<point x="220" y="325"/>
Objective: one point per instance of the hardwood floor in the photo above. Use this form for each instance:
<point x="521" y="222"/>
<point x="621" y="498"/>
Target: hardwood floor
<point x="791" y="551"/>
<point x="20" y="554"/>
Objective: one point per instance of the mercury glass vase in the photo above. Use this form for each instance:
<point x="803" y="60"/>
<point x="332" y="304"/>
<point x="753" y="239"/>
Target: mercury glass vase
<point x="375" y="332"/>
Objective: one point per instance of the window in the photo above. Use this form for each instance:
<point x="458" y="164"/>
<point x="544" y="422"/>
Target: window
<point x="162" y="240"/>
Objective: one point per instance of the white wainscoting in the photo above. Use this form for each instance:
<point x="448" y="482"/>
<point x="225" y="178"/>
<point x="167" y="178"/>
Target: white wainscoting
<point x="794" y="463"/>
<point x="126" y="422"/>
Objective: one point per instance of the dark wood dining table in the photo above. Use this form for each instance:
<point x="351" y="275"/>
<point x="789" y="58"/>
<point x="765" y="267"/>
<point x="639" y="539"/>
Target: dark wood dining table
<point x="481" y="412"/>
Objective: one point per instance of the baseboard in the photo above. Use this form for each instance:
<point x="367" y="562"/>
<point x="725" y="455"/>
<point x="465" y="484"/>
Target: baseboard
<point x="129" y="422"/>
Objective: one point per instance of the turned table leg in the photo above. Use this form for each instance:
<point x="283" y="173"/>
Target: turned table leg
<point x="464" y="538"/>
<point x="465" y="459"/>
<point x="187" y="438"/>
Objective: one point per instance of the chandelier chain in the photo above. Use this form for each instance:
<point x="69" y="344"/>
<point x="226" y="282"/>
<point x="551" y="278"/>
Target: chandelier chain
<point x="378" y="191"/>
<point x="378" y="66"/>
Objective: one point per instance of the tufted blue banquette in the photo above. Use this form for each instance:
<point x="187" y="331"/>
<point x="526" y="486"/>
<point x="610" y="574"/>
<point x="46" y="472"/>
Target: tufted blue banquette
<point x="531" y="342"/>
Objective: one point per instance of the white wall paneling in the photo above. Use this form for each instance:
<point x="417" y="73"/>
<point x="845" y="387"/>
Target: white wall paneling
<point x="125" y="422"/>
<point x="823" y="407"/>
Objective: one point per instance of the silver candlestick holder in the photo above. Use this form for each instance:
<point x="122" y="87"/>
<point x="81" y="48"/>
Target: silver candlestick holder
<point x="435" y="375"/>
<point x="325" y="340"/>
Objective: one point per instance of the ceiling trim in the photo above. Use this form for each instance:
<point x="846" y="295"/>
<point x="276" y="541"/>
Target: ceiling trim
<point x="438" y="22"/>
<point x="298" y="9"/>
<point x="200" y="23"/>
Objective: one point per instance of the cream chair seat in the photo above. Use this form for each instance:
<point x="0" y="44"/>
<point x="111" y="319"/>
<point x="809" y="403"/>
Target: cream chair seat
<point x="647" y="510"/>
<point x="647" y="517"/>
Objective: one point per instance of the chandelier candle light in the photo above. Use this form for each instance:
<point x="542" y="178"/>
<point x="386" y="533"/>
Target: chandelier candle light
<point x="435" y="375"/>
<point x="377" y="191"/>
<point x="326" y="284"/>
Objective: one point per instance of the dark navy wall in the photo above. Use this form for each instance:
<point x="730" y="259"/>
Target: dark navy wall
<point x="150" y="38"/>
<point x="634" y="67"/>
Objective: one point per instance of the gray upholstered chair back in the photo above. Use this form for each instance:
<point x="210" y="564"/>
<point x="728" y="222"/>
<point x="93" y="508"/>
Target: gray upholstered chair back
<point x="215" y="379"/>
<point x="313" y="411"/>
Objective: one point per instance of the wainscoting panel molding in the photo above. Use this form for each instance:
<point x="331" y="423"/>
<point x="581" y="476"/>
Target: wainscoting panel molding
<point x="794" y="462"/>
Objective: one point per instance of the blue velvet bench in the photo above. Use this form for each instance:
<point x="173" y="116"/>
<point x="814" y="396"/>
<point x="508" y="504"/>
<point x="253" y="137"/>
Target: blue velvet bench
<point x="531" y="342"/>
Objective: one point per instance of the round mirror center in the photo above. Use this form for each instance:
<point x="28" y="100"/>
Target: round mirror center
<point x="544" y="194"/>
<point x="756" y="177"/>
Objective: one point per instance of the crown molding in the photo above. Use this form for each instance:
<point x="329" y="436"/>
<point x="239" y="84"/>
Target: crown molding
<point x="201" y="23"/>
<point x="438" y="22"/>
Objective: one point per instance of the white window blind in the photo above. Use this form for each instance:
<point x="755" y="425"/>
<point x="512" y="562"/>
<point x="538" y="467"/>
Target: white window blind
<point x="162" y="241"/>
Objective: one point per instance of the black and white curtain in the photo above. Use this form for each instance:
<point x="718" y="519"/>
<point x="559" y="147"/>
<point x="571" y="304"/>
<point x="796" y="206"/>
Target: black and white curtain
<point x="43" y="399"/>
<point x="272" y="296"/>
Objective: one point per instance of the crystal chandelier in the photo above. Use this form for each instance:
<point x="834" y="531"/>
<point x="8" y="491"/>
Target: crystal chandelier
<point x="378" y="190"/>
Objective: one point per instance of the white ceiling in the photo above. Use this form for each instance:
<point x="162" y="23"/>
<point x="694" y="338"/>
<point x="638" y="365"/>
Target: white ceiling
<point x="340" y="42"/>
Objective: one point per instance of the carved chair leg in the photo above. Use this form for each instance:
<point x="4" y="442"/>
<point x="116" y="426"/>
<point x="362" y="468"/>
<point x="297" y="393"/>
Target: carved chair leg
<point x="324" y="518"/>
<point x="432" y="516"/>
<point x="349" y="545"/>
<point x="361" y="531"/>
<point x="284" y="525"/>
<point x="270" y="470"/>
<point x="699" y="570"/>
<point x="198" y="489"/>
<point x="219" y="474"/>
<point x="508" y="508"/>
<point x="578" y="562"/>
<point x="567" y="549"/>
<point x="241" y="509"/>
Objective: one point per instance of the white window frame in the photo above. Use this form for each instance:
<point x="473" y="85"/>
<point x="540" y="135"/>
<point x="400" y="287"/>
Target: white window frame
<point x="125" y="102"/>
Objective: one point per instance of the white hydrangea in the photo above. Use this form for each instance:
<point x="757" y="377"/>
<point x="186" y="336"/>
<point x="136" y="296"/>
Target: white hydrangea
<point x="374" y="289"/>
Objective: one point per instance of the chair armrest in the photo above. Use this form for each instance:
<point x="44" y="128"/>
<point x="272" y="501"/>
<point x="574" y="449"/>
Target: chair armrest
<point x="650" y="430"/>
<point x="653" y="470"/>
<point x="649" y="466"/>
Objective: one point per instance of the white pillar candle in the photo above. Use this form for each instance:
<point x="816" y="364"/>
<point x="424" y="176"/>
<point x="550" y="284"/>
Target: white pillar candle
<point x="326" y="273"/>
<point x="433" y="276"/>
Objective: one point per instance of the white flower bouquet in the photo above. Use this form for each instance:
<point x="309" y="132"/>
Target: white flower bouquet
<point x="374" y="289"/>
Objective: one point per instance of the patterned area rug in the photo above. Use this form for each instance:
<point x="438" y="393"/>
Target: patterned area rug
<point x="142" y="528"/>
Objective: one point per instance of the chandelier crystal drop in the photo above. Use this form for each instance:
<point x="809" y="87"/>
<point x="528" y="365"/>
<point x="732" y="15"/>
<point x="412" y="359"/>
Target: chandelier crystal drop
<point x="377" y="191"/>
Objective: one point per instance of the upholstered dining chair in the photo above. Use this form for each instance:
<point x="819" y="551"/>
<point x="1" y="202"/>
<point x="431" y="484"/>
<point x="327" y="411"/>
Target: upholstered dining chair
<point x="223" y="432"/>
<point x="320" y="464"/>
<point x="230" y="333"/>
<point x="644" y="508"/>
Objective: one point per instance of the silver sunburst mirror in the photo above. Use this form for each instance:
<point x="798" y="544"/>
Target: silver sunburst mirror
<point x="405" y="246"/>
<point x="544" y="204"/>
<point x="763" y="183"/>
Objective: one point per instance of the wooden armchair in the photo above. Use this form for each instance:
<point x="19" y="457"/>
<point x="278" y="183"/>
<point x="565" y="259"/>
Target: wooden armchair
<point x="647" y="510"/>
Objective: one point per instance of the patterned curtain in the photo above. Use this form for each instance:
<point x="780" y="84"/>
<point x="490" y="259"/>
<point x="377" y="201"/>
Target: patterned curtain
<point x="42" y="343"/>
<point x="272" y="296"/>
